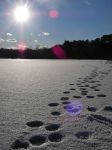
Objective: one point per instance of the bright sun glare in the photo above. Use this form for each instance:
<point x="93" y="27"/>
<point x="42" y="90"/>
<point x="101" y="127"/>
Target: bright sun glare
<point x="21" y="14"/>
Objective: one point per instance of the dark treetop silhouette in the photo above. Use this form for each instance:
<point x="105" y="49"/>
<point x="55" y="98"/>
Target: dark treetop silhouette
<point x="100" y="48"/>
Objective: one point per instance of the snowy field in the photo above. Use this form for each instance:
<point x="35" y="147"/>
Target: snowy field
<point x="55" y="104"/>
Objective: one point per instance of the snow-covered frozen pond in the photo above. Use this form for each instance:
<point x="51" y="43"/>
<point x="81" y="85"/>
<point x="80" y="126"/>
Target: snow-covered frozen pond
<point x="55" y="104"/>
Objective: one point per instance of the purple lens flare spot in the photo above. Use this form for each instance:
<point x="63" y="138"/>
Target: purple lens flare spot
<point x="59" y="52"/>
<point x="74" y="108"/>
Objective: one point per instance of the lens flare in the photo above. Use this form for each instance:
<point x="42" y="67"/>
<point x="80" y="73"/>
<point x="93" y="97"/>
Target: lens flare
<point x="21" y="49"/>
<point x="59" y="52"/>
<point x="74" y="108"/>
<point x="54" y="14"/>
<point x="21" y="46"/>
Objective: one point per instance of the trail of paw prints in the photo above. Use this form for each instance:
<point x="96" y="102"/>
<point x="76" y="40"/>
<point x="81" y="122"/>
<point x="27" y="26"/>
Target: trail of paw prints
<point x="53" y="135"/>
<point x="52" y="105"/>
<point x="91" y="82"/>
<point x="54" y="113"/>
<point x="48" y="127"/>
<point x="38" y="140"/>
<point x="83" y="84"/>
<point x="22" y="142"/>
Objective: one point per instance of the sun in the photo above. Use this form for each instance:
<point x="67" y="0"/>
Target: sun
<point x="21" y="14"/>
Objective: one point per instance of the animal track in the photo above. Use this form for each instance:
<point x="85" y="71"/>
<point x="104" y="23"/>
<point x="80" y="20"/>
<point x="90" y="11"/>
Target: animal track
<point x="93" y="87"/>
<point x="34" y="123"/>
<point x="92" y="81"/>
<point x="72" y="89"/>
<point x="20" y="143"/>
<point x="97" y="81"/>
<point x="84" y="89"/>
<point x="108" y="108"/>
<point x="90" y="97"/>
<point x="83" y="134"/>
<point x="87" y="85"/>
<point x="64" y="98"/>
<point x="78" y="84"/>
<point x="83" y="82"/>
<point x="55" y="113"/>
<point x="71" y="108"/>
<point x="83" y="93"/>
<point x="66" y="92"/>
<point x="96" y="90"/>
<point x="53" y="104"/>
<point x="93" y="109"/>
<point x="55" y="137"/>
<point x="77" y="96"/>
<point x="52" y="127"/>
<point x="37" y="140"/>
<point x="99" y="85"/>
<point x="101" y="95"/>
<point x="66" y="103"/>
<point x="81" y="86"/>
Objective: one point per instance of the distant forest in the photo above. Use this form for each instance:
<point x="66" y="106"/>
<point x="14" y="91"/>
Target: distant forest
<point x="100" y="48"/>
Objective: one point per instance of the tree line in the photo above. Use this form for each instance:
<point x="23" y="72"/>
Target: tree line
<point x="100" y="48"/>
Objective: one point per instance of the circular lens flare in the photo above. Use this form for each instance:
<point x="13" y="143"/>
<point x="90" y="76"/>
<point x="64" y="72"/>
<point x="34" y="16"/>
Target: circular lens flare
<point x="21" y="47"/>
<point x="74" y="108"/>
<point x="59" y="52"/>
<point x="54" y="14"/>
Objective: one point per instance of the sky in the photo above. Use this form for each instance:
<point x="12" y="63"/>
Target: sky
<point x="52" y="22"/>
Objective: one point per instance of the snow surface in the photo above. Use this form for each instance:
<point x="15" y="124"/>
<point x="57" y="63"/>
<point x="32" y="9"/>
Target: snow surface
<point x="55" y="104"/>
